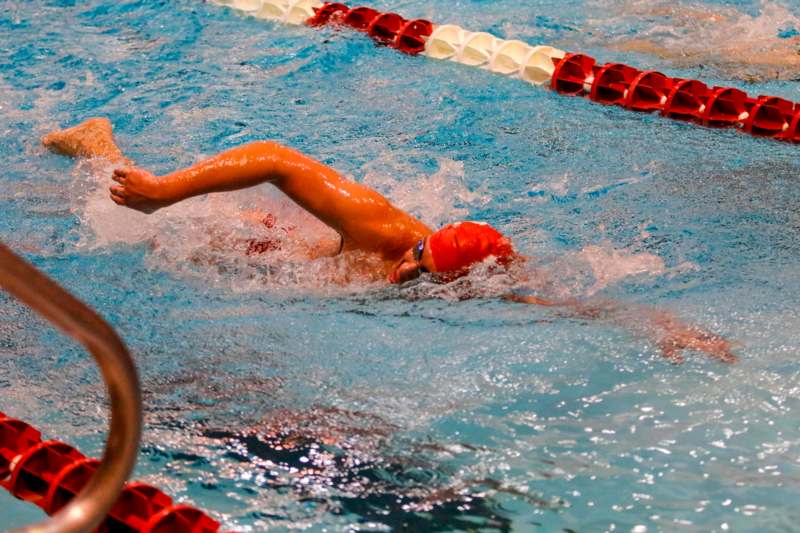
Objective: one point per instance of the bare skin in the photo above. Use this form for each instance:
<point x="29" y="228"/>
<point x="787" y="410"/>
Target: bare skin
<point x="752" y="57"/>
<point x="664" y="329"/>
<point x="91" y="139"/>
<point x="366" y="220"/>
<point x="778" y="59"/>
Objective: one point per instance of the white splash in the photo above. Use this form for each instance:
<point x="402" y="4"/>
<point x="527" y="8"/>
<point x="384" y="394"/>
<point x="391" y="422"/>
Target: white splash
<point x="437" y="199"/>
<point x="609" y="266"/>
<point x="595" y="267"/>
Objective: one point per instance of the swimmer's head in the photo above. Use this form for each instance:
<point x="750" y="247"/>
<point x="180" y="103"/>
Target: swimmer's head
<point x="451" y="251"/>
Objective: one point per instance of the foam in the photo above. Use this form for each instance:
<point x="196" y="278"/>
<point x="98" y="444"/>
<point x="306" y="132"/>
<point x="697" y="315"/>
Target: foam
<point x="437" y="199"/>
<point x="594" y="268"/>
<point x="609" y="266"/>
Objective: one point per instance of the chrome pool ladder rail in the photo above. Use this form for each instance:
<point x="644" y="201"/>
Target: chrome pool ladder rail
<point x="77" y="320"/>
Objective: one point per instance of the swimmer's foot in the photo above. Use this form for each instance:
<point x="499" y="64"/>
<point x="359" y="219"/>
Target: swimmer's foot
<point x="139" y="189"/>
<point x="90" y="139"/>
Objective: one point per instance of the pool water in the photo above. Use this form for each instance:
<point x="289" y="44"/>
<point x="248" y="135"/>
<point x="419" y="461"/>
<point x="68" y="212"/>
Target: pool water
<point x="277" y="399"/>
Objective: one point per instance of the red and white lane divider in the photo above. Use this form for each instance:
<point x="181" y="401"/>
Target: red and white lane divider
<point x="50" y="473"/>
<point x="566" y="73"/>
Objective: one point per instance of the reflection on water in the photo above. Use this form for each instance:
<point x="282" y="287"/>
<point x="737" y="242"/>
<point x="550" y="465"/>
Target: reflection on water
<point x="340" y="462"/>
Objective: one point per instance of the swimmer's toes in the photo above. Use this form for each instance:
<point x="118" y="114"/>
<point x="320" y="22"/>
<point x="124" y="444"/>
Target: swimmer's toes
<point x="48" y="139"/>
<point x="120" y="174"/>
<point x="56" y="141"/>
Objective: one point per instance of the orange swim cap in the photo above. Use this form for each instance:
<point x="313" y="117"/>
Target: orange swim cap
<point x="458" y="246"/>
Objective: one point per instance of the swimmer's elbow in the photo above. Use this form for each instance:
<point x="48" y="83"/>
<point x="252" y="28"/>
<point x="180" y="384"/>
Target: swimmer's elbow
<point x="266" y="146"/>
<point x="267" y="151"/>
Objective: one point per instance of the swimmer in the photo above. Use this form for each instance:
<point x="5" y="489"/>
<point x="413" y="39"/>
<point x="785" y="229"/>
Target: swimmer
<point x="364" y="219"/>
<point x="751" y="48"/>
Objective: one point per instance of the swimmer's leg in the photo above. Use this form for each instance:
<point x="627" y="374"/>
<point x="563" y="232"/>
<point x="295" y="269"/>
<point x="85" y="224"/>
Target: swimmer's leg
<point x="93" y="138"/>
<point x="364" y="218"/>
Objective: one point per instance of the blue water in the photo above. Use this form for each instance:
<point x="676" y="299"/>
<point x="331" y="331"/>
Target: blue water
<point x="409" y="409"/>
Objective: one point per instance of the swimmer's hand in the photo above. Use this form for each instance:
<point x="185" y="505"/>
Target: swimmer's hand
<point x="675" y="336"/>
<point x="139" y="189"/>
<point x="670" y="334"/>
<point x="528" y="299"/>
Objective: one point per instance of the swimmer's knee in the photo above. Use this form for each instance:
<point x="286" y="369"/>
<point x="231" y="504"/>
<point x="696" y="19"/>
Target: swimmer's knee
<point x="274" y="150"/>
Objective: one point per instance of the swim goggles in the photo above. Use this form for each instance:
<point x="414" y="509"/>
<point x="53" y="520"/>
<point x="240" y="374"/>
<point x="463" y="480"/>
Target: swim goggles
<point x="418" y="249"/>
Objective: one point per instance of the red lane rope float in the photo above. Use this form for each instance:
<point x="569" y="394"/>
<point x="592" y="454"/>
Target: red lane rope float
<point x="792" y="134"/>
<point x="389" y="29"/>
<point x="648" y="92"/>
<point x="180" y="518"/>
<point x="15" y="438"/>
<point x="619" y="84"/>
<point x="67" y="483"/>
<point x="330" y="12"/>
<point x="37" y="467"/>
<point x="383" y="28"/>
<point x="769" y="116"/>
<point x="725" y="107"/>
<point x="611" y="84"/>
<point x="574" y="75"/>
<point x="137" y="505"/>
<point x="49" y="474"/>
<point x="412" y="36"/>
<point x="686" y="100"/>
<point x="359" y="18"/>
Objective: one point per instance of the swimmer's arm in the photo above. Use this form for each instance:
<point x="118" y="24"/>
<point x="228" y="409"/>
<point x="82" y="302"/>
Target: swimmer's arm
<point x="666" y="330"/>
<point x="529" y="299"/>
<point x="350" y="208"/>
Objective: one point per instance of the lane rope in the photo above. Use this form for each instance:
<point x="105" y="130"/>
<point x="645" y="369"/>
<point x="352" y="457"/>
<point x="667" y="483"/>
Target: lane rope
<point x="50" y="473"/>
<point x="572" y="74"/>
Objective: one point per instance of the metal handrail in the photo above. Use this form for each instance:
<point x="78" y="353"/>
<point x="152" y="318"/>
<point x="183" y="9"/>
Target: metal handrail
<point x="75" y="319"/>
